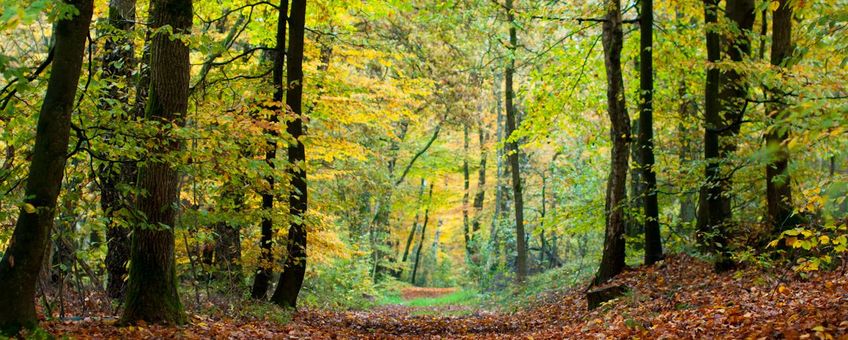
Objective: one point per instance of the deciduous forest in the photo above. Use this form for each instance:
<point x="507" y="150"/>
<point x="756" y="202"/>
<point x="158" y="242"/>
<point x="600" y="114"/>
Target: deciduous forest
<point x="251" y="169"/>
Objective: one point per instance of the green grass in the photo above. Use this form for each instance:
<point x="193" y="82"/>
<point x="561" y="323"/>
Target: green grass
<point x="461" y="297"/>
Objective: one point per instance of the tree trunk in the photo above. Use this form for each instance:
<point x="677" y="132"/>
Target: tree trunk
<point x="22" y="260"/>
<point x="726" y="100"/>
<point x="466" y="224"/>
<point x="512" y="151"/>
<point x="778" y="184"/>
<point x="227" y="253"/>
<point x="421" y="240"/>
<point x="414" y="223"/>
<point x="479" y="196"/>
<point x="612" y="262"/>
<point x="685" y="155"/>
<point x="291" y="279"/>
<point x="262" y="280"/>
<point x="151" y="294"/>
<point x="653" y="240"/>
<point x="117" y="67"/>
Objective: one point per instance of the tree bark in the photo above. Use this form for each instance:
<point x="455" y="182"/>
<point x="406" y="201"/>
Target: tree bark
<point x="778" y="183"/>
<point x="512" y="150"/>
<point x="262" y="280"/>
<point x="612" y="261"/>
<point x="22" y="260"/>
<point x="151" y="294"/>
<point x="653" y="240"/>
<point x="291" y="279"/>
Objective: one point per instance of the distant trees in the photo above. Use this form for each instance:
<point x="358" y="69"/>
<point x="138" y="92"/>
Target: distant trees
<point x="22" y="261"/>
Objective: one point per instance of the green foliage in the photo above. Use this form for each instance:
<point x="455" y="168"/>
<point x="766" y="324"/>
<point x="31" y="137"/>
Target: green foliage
<point x="339" y="285"/>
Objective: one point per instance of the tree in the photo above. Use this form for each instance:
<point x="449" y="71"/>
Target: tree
<point x="152" y="294"/>
<point x="291" y="279"/>
<point x="726" y="101"/>
<point x="512" y="148"/>
<point x="24" y="256"/>
<point x="612" y="261"/>
<point x="653" y="240"/>
<point x="423" y="232"/>
<point x="778" y="184"/>
<point x="263" y="274"/>
<point x="118" y="67"/>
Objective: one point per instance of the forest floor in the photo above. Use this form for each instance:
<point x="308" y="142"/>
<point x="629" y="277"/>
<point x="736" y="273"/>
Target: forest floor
<point x="679" y="298"/>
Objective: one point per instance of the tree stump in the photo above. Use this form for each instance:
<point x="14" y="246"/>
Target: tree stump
<point x="597" y="296"/>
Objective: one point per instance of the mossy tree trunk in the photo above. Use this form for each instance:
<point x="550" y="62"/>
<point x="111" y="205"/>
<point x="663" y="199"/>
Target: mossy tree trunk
<point x="22" y="260"/>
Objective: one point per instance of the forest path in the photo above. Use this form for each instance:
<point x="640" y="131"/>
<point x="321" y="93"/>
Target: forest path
<point x="680" y="298"/>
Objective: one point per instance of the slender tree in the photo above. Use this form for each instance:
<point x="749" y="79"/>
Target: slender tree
<point x="423" y="232"/>
<point x="612" y="262"/>
<point x="152" y="294"/>
<point x="414" y="221"/>
<point x="512" y="149"/>
<point x="262" y="280"/>
<point x="653" y="240"/>
<point x="466" y="193"/>
<point x="23" y="258"/>
<point x="291" y="279"/>
<point x="778" y="184"/>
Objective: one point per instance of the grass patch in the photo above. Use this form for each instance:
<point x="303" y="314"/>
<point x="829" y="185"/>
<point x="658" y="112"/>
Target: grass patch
<point x="463" y="297"/>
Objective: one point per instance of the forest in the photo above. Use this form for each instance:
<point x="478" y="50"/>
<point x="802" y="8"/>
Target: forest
<point x="244" y="169"/>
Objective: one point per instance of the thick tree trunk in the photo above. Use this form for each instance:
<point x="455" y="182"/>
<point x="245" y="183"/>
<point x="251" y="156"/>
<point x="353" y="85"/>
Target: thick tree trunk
<point x="612" y="262"/>
<point x="291" y="279"/>
<point x="512" y="151"/>
<point x="778" y="184"/>
<point x="22" y="260"/>
<point x="262" y="280"/>
<point x="118" y="67"/>
<point x="653" y="240"/>
<point x="152" y="294"/>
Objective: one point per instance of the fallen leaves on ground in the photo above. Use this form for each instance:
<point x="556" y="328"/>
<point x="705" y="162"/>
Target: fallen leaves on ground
<point x="678" y="299"/>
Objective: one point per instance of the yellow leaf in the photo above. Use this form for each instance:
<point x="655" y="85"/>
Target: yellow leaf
<point x="824" y="239"/>
<point x="29" y="208"/>
<point x="774" y="5"/>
